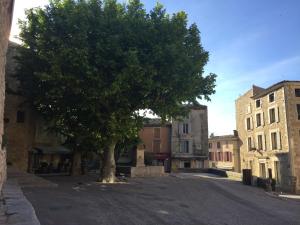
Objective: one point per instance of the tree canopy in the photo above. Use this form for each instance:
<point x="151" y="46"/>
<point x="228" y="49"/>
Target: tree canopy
<point x="90" y="66"/>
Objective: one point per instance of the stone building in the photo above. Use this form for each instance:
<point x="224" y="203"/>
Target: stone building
<point x="29" y="144"/>
<point x="268" y="124"/>
<point x="224" y="152"/>
<point x="190" y="140"/>
<point x="6" y="12"/>
<point x="157" y="140"/>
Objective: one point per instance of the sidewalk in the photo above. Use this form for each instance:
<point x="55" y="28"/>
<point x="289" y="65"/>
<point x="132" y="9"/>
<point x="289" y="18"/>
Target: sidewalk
<point x="15" y="209"/>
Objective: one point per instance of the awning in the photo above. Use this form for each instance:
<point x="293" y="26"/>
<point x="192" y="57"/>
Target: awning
<point x="161" y="156"/>
<point x="51" y="150"/>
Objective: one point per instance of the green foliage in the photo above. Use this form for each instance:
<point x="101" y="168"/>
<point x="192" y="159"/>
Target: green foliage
<point x="89" y="66"/>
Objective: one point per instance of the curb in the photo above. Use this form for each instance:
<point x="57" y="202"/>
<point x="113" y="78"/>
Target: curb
<point x="18" y="209"/>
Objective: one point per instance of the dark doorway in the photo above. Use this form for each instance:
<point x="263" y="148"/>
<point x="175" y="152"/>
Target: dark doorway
<point x="187" y="164"/>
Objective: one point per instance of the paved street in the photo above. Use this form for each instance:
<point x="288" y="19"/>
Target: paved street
<point x="182" y="200"/>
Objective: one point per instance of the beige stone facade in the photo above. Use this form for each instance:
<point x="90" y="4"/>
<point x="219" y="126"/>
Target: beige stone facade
<point x="190" y="140"/>
<point x="6" y="11"/>
<point x="268" y="124"/>
<point x="224" y="152"/>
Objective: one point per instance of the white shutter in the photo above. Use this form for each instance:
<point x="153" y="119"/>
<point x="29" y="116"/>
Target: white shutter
<point x="190" y="127"/>
<point x="180" y="127"/>
<point x="263" y="142"/>
<point x="278" y="140"/>
<point x="263" y="118"/>
<point x="277" y="117"/>
<point x="251" y="123"/>
<point x="253" y="142"/>
<point x="191" y="149"/>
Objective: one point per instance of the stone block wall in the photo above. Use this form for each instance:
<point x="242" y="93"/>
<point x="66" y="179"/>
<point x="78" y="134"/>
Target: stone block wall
<point x="6" y="10"/>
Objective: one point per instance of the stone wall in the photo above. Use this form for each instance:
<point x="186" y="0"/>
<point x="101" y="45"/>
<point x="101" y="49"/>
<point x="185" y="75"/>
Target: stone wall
<point x="267" y="160"/>
<point x="147" y="171"/>
<point x="6" y="10"/>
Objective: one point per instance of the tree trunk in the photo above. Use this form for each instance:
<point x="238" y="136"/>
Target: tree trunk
<point x="108" y="170"/>
<point x="76" y="164"/>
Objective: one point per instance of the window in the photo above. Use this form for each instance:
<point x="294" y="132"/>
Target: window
<point x="218" y="144"/>
<point x="20" y="117"/>
<point x="298" y="111"/>
<point x="157" y="133"/>
<point x="272" y="116"/>
<point x="156" y="146"/>
<point x="249" y="123"/>
<point x="210" y="156"/>
<point x="297" y="92"/>
<point x="187" y="164"/>
<point x="257" y="103"/>
<point x="274" y="140"/>
<point x="249" y="143"/>
<point x="258" y="119"/>
<point x="185" y="147"/>
<point x="209" y="145"/>
<point x="260" y="142"/>
<point x="220" y="158"/>
<point x="185" y="128"/>
<point x="271" y="97"/>
<point x="228" y="156"/>
<point x="262" y="168"/>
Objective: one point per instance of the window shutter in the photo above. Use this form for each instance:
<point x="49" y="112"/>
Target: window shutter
<point x="263" y="118"/>
<point x="265" y="142"/>
<point x="181" y="147"/>
<point x="251" y="123"/>
<point x="278" y="140"/>
<point x="277" y="115"/>
<point x="180" y="127"/>
<point x="191" y="150"/>
<point x="189" y="127"/>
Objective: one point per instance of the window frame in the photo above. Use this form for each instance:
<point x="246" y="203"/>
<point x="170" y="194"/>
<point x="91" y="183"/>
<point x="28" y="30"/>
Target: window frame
<point x="298" y="111"/>
<point x="260" y="119"/>
<point x="185" y="128"/>
<point x="256" y="101"/>
<point x="269" y="112"/>
<point x="21" y="116"/>
<point x="297" y="92"/>
<point x="273" y="93"/>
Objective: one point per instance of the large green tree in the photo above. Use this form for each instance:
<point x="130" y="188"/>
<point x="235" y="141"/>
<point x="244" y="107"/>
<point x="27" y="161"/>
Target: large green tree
<point x="90" y="66"/>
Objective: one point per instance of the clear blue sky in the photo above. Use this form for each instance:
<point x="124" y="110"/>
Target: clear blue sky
<point x="250" y="42"/>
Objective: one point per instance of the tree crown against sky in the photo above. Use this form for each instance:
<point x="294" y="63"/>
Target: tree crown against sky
<point x="89" y="66"/>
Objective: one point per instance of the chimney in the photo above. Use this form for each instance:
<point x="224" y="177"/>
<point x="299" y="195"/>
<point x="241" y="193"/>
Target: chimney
<point x="235" y="133"/>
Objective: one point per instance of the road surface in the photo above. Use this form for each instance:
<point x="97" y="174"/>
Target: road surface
<point x="180" y="200"/>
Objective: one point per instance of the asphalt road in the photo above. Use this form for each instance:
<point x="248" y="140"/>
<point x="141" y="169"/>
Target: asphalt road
<point x="182" y="200"/>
